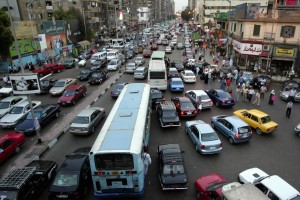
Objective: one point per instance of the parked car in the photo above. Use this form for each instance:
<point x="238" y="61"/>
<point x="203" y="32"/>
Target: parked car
<point x="180" y="45"/>
<point x="147" y="53"/>
<point x="140" y="72"/>
<point x="158" y="42"/>
<point x="172" y="73"/>
<point x="199" y="98"/>
<point x="164" y="42"/>
<point x="85" y="74"/>
<point x="210" y="187"/>
<point x="60" y="86"/>
<point x="130" y="67"/>
<point x="98" y="77"/>
<point x="176" y="85"/>
<point x="114" y="64"/>
<point x="246" y="77"/>
<point x="17" y="114"/>
<point x="8" y="103"/>
<point x="69" y="64"/>
<point x="44" y="114"/>
<point x="167" y="114"/>
<point x="260" y="80"/>
<point x="154" y="47"/>
<point x="188" y="76"/>
<point x="171" y="171"/>
<point x="286" y="88"/>
<point x="116" y="90"/>
<point x="98" y="65"/>
<point x="27" y="183"/>
<point x="72" y="94"/>
<point x="85" y="56"/>
<point x="10" y="144"/>
<point x="168" y="49"/>
<point x="46" y="69"/>
<point x="204" y="138"/>
<point x="46" y="85"/>
<point x="221" y="98"/>
<point x="233" y="128"/>
<point x="297" y="130"/>
<point x="73" y="177"/>
<point x="82" y="63"/>
<point x="6" y="90"/>
<point x="87" y="120"/>
<point x="156" y="96"/>
<point x="258" y="120"/>
<point x="139" y="60"/>
<point x="129" y="54"/>
<point x="272" y="186"/>
<point x="184" y="107"/>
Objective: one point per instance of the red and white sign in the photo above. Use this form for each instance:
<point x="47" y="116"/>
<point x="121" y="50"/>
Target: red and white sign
<point x="247" y="48"/>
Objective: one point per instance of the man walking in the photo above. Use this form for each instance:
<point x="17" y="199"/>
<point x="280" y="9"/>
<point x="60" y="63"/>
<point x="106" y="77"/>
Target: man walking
<point x="147" y="161"/>
<point x="257" y="98"/>
<point x="289" y="109"/>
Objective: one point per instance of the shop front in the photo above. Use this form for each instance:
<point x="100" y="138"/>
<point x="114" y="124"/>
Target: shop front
<point x="246" y="54"/>
<point x="283" y="59"/>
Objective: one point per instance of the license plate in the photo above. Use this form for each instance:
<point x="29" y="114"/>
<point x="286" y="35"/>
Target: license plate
<point x="188" y="113"/>
<point x="170" y="123"/>
<point x="115" y="173"/>
<point x="212" y="148"/>
<point x="62" y="196"/>
<point x="228" y="101"/>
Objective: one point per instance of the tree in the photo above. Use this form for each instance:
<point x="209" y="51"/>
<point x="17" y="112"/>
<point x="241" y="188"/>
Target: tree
<point x="6" y="37"/>
<point x="187" y="14"/>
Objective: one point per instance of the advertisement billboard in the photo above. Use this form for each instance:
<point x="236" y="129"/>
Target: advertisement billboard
<point x="252" y="10"/>
<point x="26" y="46"/>
<point x="247" y="48"/>
<point x="240" y="11"/>
<point x="56" y="41"/>
<point x="54" y="27"/>
<point x="25" y="83"/>
<point x="25" y="29"/>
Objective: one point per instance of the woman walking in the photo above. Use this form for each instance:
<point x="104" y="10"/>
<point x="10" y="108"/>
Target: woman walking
<point x="272" y="97"/>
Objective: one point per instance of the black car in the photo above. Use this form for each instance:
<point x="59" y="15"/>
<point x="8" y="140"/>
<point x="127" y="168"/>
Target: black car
<point x="98" y="64"/>
<point x="85" y="74"/>
<point x="172" y="172"/>
<point x="27" y="183"/>
<point x="167" y="114"/>
<point x="46" y="85"/>
<point x="68" y="64"/>
<point x="85" y="56"/>
<point x="44" y="114"/>
<point x="260" y="80"/>
<point x="156" y="97"/>
<point x="98" y="77"/>
<point x="129" y="54"/>
<point x="73" y="177"/>
<point x="116" y="90"/>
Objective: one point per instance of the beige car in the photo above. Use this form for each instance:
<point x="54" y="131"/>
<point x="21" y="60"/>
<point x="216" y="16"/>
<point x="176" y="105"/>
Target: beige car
<point x="60" y="86"/>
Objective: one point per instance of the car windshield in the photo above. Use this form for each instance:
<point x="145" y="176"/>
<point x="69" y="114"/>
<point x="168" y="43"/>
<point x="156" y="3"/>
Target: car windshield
<point x="177" y="82"/>
<point x="68" y="93"/>
<point x="9" y="194"/>
<point x="265" y="119"/>
<point x="36" y="114"/>
<point x="189" y="74"/>
<point x="118" y="87"/>
<point x="59" y="84"/>
<point x="173" y="169"/>
<point x="139" y="58"/>
<point x="224" y="95"/>
<point x="245" y="129"/>
<point x="4" y="105"/>
<point x="179" y="65"/>
<point x="81" y="120"/>
<point x="204" y="97"/>
<point x="209" y="137"/>
<point x="187" y="105"/>
<point x="66" y="179"/>
<point x="84" y="72"/>
<point x="113" y="62"/>
<point x="95" y="75"/>
<point x="16" y="110"/>
<point x="170" y="113"/>
<point x="130" y="65"/>
<point x="139" y="71"/>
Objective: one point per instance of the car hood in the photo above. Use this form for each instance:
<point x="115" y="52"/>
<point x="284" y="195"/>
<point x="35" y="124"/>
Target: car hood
<point x="66" y="98"/>
<point x="74" y="125"/>
<point x="111" y="65"/>
<point x="25" y="125"/>
<point x="174" y="179"/>
<point x="252" y="175"/>
<point x="5" y="90"/>
<point x="11" y="117"/>
<point x="285" y="93"/>
<point x="57" y="89"/>
<point x="3" y="111"/>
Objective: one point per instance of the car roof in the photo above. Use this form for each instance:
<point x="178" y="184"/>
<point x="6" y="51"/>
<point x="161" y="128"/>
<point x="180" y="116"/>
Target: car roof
<point x="183" y="99"/>
<point x="10" y="98"/>
<point x="257" y="113"/>
<point x="176" y="79"/>
<point x="219" y="91"/>
<point x="74" y="86"/>
<point x="204" y="128"/>
<point x="23" y="103"/>
<point x="73" y="162"/>
<point x="140" y="67"/>
<point x="43" y="107"/>
<point x="236" y="121"/>
<point x="64" y="79"/>
<point x="87" y="111"/>
<point x="198" y="92"/>
<point x="168" y="105"/>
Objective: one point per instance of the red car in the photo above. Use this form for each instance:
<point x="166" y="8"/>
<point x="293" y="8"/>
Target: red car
<point x="147" y="53"/>
<point x="154" y="47"/>
<point x="72" y="94"/>
<point x="9" y="144"/>
<point x="210" y="187"/>
<point x="49" y="68"/>
<point x="184" y="107"/>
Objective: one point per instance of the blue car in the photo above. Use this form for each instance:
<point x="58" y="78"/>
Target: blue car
<point x="220" y="98"/>
<point x="176" y="85"/>
<point x="233" y="128"/>
<point x="44" y="114"/>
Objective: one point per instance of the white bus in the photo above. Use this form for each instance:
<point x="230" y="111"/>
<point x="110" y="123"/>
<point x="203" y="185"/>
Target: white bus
<point x="116" y="159"/>
<point x="157" y="72"/>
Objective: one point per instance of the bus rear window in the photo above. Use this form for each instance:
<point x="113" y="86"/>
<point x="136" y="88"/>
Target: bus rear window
<point x="157" y="75"/>
<point x="114" y="161"/>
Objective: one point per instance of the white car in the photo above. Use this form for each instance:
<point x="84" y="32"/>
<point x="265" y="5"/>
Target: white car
<point x="174" y="41"/>
<point x="17" y="114"/>
<point x="8" y="103"/>
<point x="199" y="98"/>
<point x="272" y="186"/>
<point x="82" y="63"/>
<point x="188" y="76"/>
<point x="168" y="49"/>
<point x="6" y="90"/>
<point x="61" y="85"/>
<point x="139" y="61"/>
<point x="114" y="64"/>
<point x="130" y="67"/>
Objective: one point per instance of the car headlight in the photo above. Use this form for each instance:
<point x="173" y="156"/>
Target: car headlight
<point x="298" y="127"/>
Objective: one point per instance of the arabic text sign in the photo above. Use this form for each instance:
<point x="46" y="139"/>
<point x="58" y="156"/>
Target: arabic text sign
<point x="25" y="29"/>
<point x="282" y="52"/>
<point x="53" y="29"/>
<point x="247" y="48"/>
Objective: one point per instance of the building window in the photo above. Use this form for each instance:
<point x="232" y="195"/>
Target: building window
<point x="241" y="28"/>
<point x="142" y="14"/>
<point x="256" y="30"/>
<point x="287" y="31"/>
<point x="48" y="3"/>
<point x="40" y="15"/>
<point x="29" y="5"/>
<point x="31" y="16"/>
<point x="234" y="28"/>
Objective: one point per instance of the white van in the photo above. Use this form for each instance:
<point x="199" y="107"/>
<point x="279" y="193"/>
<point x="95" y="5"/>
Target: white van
<point x="112" y="54"/>
<point x="99" y="56"/>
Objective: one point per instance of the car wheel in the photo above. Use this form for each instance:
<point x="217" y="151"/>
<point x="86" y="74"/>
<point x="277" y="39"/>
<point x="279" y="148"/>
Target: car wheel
<point x="217" y="104"/>
<point x="58" y="71"/>
<point x="84" y="94"/>
<point x="93" y="129"/>
<point x="258" y="131"/>
<point x="231" y="141"/>
<point x="100" y="81"/>
<point x="196" y="147"/>
<point x="213" y="125"/>
<point x="198" y="196"/>
<point x="57" y="114"/>
<point x="11" y="94"/>
<point x="74" y="102"/>
<point x="17" y="150"/>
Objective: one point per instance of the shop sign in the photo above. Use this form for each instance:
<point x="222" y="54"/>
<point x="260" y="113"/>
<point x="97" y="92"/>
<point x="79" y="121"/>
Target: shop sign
<point x="284" y="52"/>
<point x="247" y="48"/>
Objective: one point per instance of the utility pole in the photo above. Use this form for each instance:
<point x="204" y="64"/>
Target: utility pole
<point x="270" y="43"/>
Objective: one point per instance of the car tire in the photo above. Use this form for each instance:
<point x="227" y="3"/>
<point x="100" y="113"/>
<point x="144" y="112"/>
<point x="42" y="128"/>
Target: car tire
<point x="58" y="70"/>
<point x="57" y="114"/>
<point x="100" y="81"/>
<point x="213" y="125"/>
<point x="258" y="131"/>
<point x="198" y="196"/>
<point x="196" y="148"/>
<point x="84" y="94"/>
<point x="74" y="102"/>
<point x="17" y="150"/>
<point x="231" y="141"/>
<point x="92" y="130"/>
<point x="217" y="104"/>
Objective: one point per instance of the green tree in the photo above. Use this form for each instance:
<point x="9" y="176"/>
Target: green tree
<point x="187" y="14"/>
<point x="6" y="37"/>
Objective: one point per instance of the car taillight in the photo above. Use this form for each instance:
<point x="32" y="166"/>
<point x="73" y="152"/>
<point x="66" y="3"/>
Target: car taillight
<point x="223" y="102"/>
<point x="202" y="146"/>
<point x="195" y="112"/>
<point x="181" y="113"/>
<point x="251" y="132"/>
<point x="221" y="144"/>
<point x="130" y="172"/>
<point x="236" y="135"/>
<point x="99" y="173"/>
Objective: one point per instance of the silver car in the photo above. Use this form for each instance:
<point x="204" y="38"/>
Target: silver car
<point x="139" y="60"/>
<point x="9" y="102"/>
<point x="140" y="72"/>
<point x="86" y="121"/>
<point x="130" y="67"/>
<point x="114" y="64"/>
<point x="61" y="85"/>
<point x="17" y="114"/>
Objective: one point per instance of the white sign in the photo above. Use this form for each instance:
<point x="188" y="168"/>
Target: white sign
<point x="247" y="48"/>
<point x="25" y="83"/>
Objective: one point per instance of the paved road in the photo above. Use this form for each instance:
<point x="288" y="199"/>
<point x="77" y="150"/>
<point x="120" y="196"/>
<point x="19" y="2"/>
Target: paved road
<point x="276" y="153"/>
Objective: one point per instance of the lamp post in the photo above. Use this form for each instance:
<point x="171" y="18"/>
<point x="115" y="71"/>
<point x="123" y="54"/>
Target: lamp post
<point x="228" y="27"/>
<point x="270" y="43"/>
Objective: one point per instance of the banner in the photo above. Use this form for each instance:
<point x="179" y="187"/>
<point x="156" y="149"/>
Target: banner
<point x="25" y="29"/>
<point x="26" y="47"/>
<point x="252" y="10"/>
<point x="54" y="27"/>
<point x="56" y="41"/>
<point x="247" y="48"/>
<point x="25" y="83"/>
<point x="240" y="11"/>
<point x="285" y="52"/>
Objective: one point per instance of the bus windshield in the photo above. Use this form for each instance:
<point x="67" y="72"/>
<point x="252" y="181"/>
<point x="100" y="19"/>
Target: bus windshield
<point x="157" y="75"/>
<point x="114" y="161"/>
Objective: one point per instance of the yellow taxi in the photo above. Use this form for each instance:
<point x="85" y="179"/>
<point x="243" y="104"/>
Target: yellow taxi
<point x="258" y="120"/>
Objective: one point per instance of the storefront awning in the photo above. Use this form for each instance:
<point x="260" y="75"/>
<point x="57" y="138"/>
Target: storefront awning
<point x="84" y="43"/>
<point x="285" y="59"/>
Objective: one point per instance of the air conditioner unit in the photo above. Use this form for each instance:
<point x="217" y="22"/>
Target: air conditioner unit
<point x="266" y="47"/>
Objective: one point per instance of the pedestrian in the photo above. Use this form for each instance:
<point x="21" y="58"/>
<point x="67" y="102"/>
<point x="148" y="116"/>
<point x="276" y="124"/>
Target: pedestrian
<point x="289" y="109"/>
<point x="223" y="62"/>
<point x="238" y="69"/>
<point x="238" y="92"/>
<point x="235" y="77"/>
<point x="272" y="97"/>
<point x="263" y="90"/>
<point x="9" y="69"/>
<point x="257" y="98"/>
<point x="251" y="92"/>
<point x="223" y="84"/>
<point x="292" y="94"/>
<point x="76" y="64"/>
<point x="228" y="82"/>
<point x="245" y="93"/>
<point x="147" y="161"/>
<point x="5" y="80"/>
<point x="206" y="76"/>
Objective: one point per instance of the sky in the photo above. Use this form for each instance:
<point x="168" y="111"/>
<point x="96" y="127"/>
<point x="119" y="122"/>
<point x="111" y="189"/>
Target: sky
<point x="179" y="4"/>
